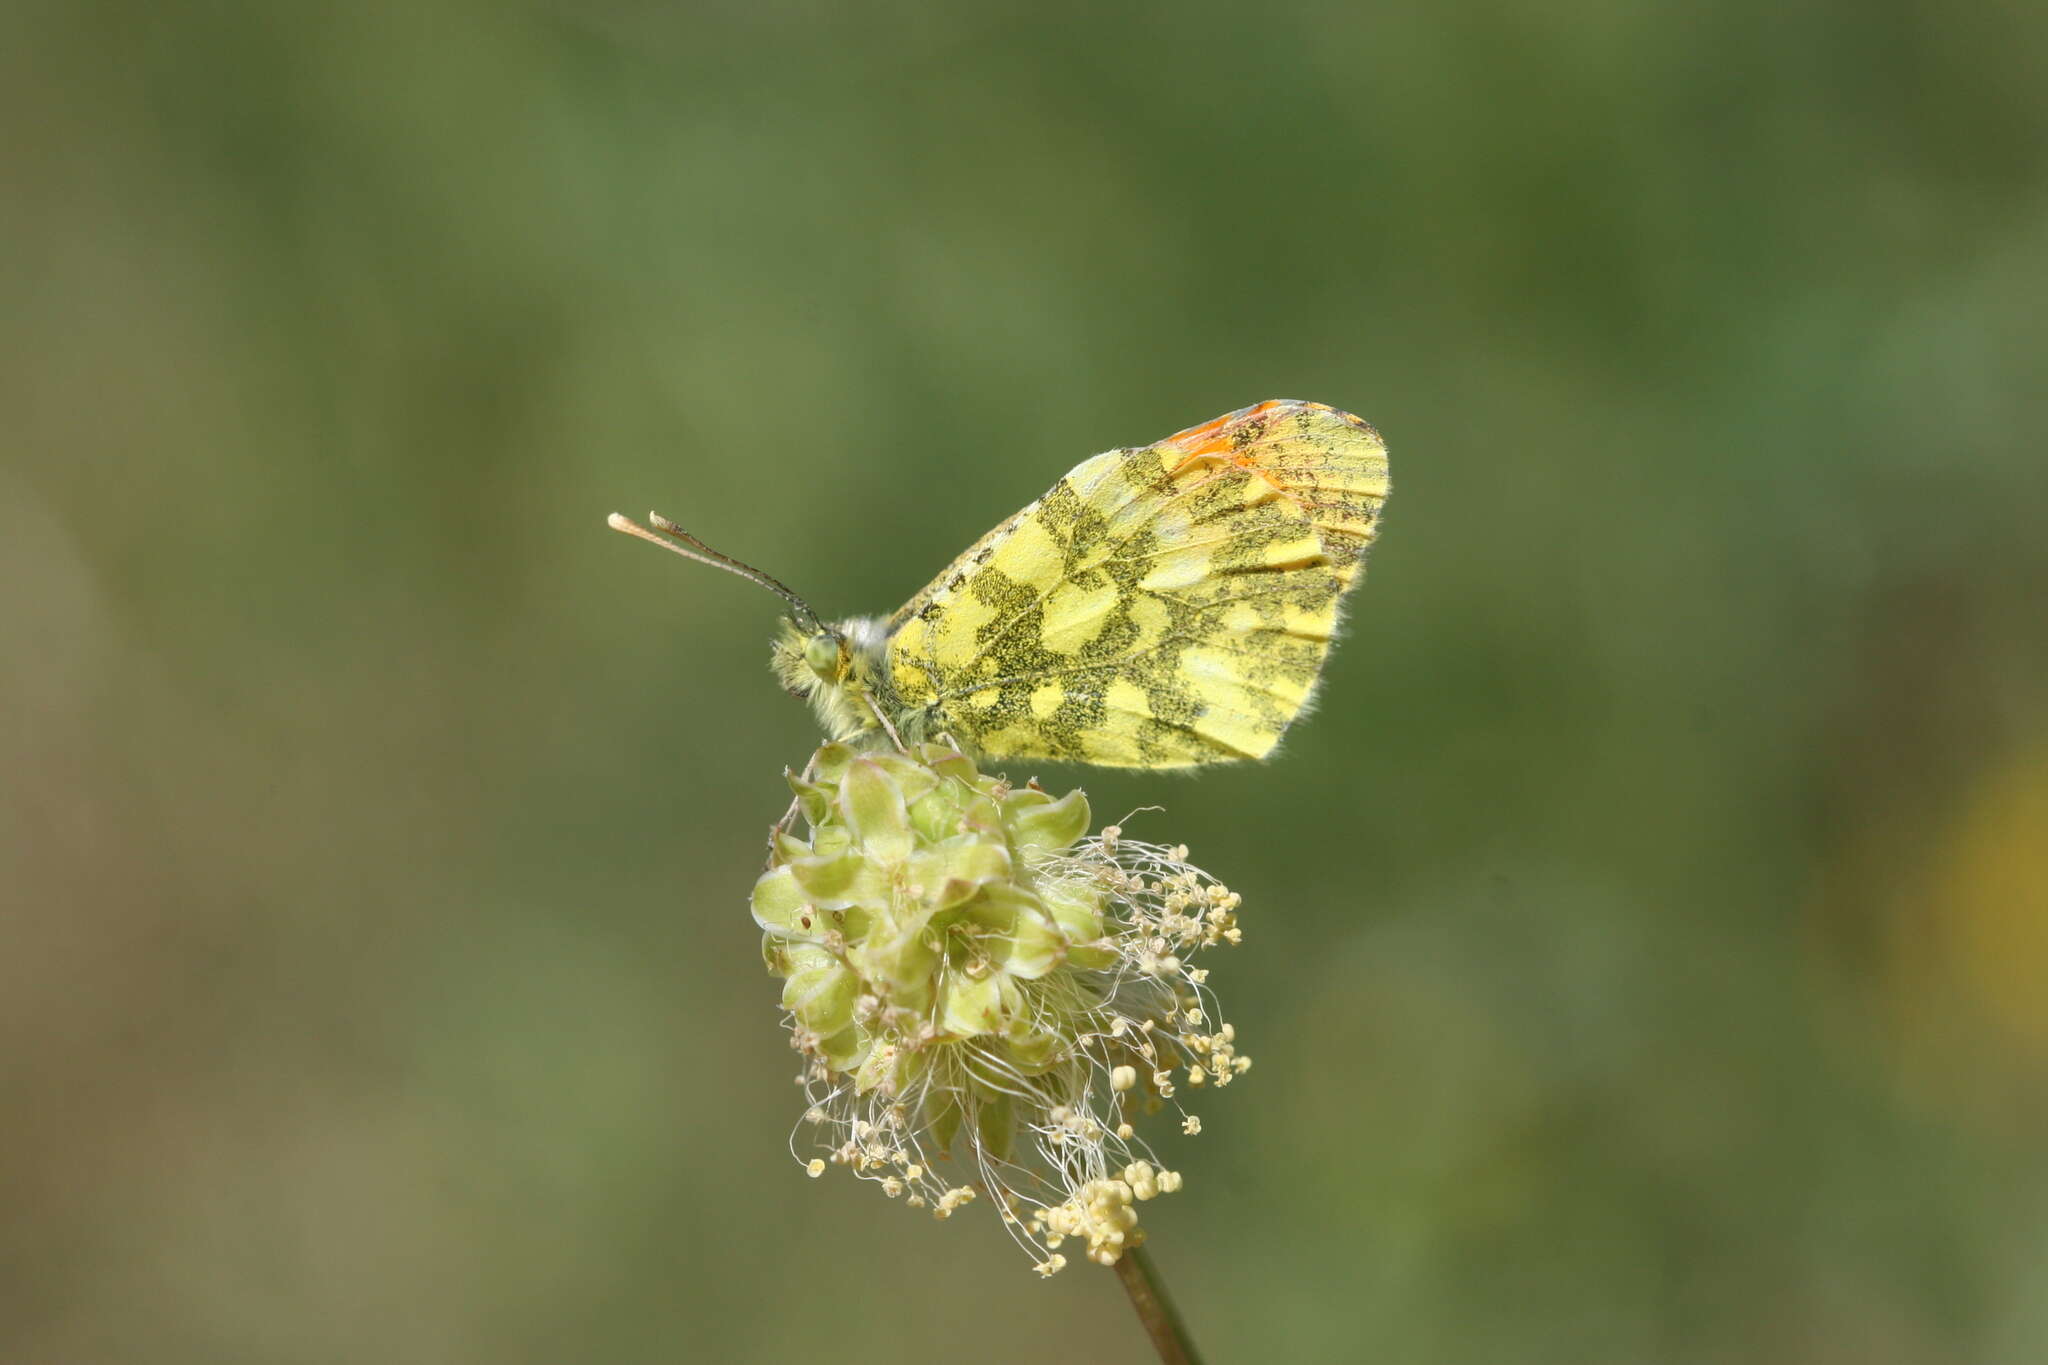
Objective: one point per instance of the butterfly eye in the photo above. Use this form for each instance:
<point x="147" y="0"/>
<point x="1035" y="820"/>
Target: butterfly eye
<point x="825" y="655"/>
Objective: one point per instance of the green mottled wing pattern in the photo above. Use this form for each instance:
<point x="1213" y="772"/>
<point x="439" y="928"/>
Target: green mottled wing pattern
<point x="1159" y="607"/>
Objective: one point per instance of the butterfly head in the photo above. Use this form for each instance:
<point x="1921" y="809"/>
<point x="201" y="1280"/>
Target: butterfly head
<point x="827" y="657"/>
<point x="810" y="656"/>
<point x="828" y="665"/>
<point x="835" y="668"/>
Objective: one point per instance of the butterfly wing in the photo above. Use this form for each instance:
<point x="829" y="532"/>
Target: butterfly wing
<point x="1160" y="607"/>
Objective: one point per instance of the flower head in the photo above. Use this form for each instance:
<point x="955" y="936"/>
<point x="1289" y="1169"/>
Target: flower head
<point x="986" y="1000"/>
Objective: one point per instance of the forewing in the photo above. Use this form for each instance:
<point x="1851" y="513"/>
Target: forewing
<point x="1159" y="607"/>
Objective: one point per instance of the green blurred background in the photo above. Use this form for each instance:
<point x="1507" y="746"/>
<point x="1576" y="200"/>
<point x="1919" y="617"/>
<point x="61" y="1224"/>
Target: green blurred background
<point x="1647" y="940"/>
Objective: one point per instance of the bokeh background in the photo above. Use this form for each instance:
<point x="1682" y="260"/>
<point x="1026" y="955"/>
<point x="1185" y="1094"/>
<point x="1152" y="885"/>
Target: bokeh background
<point x="1647" y="950"/>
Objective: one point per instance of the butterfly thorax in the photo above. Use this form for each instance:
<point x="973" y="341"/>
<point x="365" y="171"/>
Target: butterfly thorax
<point x="842" y="670"/>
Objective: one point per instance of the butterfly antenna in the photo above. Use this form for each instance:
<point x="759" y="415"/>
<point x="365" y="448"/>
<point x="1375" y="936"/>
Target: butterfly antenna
<point x="693" y="548"/>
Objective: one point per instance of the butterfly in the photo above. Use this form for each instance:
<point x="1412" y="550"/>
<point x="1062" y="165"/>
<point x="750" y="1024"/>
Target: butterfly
<point x="1162" y="606"/>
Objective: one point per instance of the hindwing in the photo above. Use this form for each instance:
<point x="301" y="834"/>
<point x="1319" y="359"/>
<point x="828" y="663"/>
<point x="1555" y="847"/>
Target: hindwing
<point x="1161" y="606"/>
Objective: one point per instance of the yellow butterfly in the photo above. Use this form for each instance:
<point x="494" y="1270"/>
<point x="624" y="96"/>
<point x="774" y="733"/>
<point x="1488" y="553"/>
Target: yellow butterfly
<point x="1162" y="606"/>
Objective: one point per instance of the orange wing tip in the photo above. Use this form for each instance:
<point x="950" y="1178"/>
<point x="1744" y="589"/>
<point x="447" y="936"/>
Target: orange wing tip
<point x="1218" y="435"/>
<point x="1212" y="437"/>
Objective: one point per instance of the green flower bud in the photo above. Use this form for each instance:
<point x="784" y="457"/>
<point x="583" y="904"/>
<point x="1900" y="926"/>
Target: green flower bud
<point x="818" y="990"/>
<point x="972" y="979"/>
<point x="1037" y="821"/>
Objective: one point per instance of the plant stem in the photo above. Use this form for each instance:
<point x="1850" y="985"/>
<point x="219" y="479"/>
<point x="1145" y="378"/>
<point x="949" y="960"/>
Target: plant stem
<point x="1148" y="1296"/>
